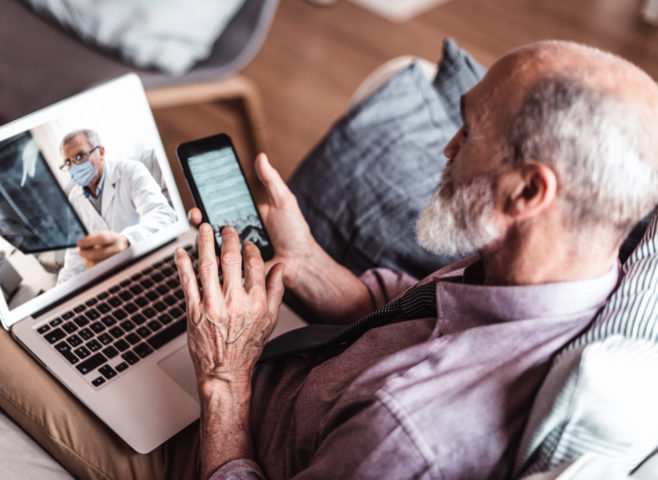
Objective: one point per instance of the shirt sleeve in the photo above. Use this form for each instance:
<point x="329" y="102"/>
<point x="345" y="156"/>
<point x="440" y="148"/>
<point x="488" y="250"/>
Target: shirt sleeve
<point x="359" y="441"/>
<point x="385" y="285"/>
<point x="240" y="469"/>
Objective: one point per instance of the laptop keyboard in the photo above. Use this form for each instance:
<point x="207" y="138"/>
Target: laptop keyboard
<point x="107" y="334"/>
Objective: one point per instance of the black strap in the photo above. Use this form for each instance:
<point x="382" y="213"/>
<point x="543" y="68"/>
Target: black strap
<point x="418" y="302"/>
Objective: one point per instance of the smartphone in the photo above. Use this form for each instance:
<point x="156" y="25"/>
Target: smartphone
<point x="218" y="185"/>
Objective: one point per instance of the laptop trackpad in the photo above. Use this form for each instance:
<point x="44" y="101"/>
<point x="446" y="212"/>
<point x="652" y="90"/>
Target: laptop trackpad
<point x="178" y="366"/>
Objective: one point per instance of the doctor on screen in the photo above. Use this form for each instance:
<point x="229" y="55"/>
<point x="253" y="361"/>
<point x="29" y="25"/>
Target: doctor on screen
<point x="117" y="200"/>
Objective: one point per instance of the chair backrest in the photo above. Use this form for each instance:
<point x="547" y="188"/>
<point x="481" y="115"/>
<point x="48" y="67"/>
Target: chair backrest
<point x="43" y="63"/>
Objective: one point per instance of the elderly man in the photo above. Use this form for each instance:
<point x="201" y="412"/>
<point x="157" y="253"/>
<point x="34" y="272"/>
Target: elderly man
<point x="118" y="201"/>
<point x="555" y="162"/>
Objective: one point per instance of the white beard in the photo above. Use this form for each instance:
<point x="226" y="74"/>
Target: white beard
<point x="459" y="220"/>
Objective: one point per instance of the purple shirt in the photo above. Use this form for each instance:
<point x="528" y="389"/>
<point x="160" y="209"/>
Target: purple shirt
<point x="443" y="397"/>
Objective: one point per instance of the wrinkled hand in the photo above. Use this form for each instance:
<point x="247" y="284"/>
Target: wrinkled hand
<point x="96" y="247"/>
<point x="290" y="234"/>
<point x="228" y="324"/>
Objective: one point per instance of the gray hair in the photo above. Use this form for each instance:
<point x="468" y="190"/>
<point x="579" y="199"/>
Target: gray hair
<point x="91" y="135"/>
<point x="596" y="145"/>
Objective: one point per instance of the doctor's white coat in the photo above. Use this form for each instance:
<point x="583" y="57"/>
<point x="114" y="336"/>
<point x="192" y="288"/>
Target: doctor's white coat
<point x="132" y="205"/>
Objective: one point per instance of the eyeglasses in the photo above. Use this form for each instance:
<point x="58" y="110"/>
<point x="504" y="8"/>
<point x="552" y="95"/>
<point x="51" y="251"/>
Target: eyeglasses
<point x="78" y="159"/>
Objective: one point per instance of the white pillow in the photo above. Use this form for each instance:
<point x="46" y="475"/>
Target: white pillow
<point x="171" y="35"/>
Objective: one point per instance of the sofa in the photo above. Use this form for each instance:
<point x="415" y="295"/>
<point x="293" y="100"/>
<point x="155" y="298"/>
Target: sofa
<point x="389" y="145"/>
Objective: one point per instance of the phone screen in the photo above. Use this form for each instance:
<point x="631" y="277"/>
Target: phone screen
<point x="225" y="196"/>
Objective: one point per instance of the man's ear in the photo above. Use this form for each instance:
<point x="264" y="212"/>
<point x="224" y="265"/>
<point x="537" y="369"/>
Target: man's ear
<point x="528" y="190"/>
<point x="101" y="150"/>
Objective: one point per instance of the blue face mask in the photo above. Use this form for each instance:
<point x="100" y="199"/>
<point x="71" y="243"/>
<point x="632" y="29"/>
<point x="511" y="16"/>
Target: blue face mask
<point x="83" y="174"/>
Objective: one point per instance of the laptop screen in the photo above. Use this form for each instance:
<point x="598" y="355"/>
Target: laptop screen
<point x="85" y="187"/>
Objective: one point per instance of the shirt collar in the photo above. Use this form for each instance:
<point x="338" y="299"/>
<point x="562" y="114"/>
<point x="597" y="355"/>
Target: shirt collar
<point x="508" y="303"/>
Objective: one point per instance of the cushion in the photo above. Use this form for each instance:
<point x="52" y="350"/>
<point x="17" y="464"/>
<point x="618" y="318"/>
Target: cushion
<point x="362" y="188"/>
<point x="596" y="399"/>
<point x="172" y="37"/>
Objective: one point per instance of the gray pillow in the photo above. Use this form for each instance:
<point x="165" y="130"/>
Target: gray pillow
<point x="362" y="188"/>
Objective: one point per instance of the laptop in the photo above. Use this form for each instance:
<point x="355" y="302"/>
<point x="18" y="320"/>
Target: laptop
<point x="113" y="332"/>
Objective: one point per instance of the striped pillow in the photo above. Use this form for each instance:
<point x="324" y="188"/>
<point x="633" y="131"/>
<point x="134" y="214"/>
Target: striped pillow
<point x="614" y="360"/>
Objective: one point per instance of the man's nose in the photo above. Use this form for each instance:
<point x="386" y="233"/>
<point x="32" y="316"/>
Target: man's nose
<point x="452" y="148"/>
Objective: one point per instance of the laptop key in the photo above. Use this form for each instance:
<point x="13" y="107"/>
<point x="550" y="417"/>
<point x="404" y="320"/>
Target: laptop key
<point x="94" y="345"/>
<point x="110" y="352"/>
<point x="144" y="332"/>
<point x="142" y="301"/>
<point x="114" y="289"/>
<point x="162" y="289"/>
<point x="107" y="371"/>
<point x="97" y="382"/>
<point x="130" y="308"/>
<point x="121" y="367"/>
<point x="117" y="332"/>
<point x="151" y="295"/>
<point x="108" y="320"/>
<point x="149" y="312"/>
<point x="103" y="295"/>
<point x="130" y="357"/>
<point x="136" y="289"/>
<point x="126" y="295"/>
<point x="67" y="315"/>
<point x="54" y="335"/>
<point x="82" y="352"/>
<point x="170" y="300"/>
<point x="138" y="318"/>
<point x="122" y="345"/>
<point x="54" y="323"/>
<point x="165" y="319"/>
<point x="92" y="314"/>
<point x="81" y="321"/>
<point x="43" y="328"/>
<point x="97" y="327"/>
<point x="85" y="333"/>
<point x="125" y="283"/>
<point x="133" y="338"/>
<point x="176" y="312"/>
<point x="65" y="350"/>
<point x="103" y="307"/>
<point x="154" y="325"/>
<point x="91" y="302"/>
<point x="168" y="334"/>
<point x="91" y="363"/>
<point x="119" y="314"/>
<point x="115" y="301"/>
<point x="69" y="327"/>
<point x="127" y="325"/>
<point x="79" y="308"/>
<point x="143" y="350"/>
<point x="160" y="306"/>
<point x="74" y="340"/>
<point x="105" y="339"/>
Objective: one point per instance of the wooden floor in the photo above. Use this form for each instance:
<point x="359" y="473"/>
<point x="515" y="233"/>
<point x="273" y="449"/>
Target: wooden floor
<point x="315" y="57"/>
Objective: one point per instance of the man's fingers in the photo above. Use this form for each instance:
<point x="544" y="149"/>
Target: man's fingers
<point x="254" y="269"/>
<point x="275" y="288"/>
<point x="208" y="272"/>
<point x="195" y="217"/>
<point x="231" y="258"/>
<point x="187" y="277"/>
<point x="274" y="184"/>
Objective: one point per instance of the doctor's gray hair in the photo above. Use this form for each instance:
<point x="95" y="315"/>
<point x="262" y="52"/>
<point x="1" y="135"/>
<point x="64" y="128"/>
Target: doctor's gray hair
<point x="91" y="135"/>
<point x="597" y="145"/>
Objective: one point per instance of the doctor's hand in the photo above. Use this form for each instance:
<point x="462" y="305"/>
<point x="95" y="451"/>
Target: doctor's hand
<point x="97" y="246"/>
<point x="294" y="246"/>
<point x="228" y="324"/>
